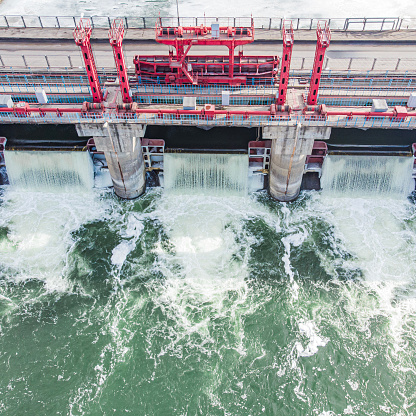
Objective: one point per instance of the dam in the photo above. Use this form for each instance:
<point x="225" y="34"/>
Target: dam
<point x="289" y="121"/>
<point x="184" y="254"/>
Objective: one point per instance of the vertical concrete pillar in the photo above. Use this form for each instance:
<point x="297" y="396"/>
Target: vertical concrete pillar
<point x="121" y="144"/>
<point x="290" y="146"/>
<point x="127" y="171"/>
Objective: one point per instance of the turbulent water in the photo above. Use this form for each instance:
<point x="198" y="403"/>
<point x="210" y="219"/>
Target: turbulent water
<point x="191" y="304"/>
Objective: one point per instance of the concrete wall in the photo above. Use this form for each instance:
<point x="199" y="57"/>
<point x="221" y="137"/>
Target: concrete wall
<point x="290" y="146"/>
<point x="121" y="144"/>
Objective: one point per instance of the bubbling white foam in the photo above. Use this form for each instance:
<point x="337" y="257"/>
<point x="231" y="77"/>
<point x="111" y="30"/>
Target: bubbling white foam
<point x="130" y="234"/>
<point x="40" y="227"/>
<point x="206" y="265"/>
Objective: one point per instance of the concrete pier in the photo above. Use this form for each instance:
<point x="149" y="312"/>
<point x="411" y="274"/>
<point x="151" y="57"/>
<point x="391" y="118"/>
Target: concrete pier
<point x="290" y="146"/>
<point x="121" y="144"/>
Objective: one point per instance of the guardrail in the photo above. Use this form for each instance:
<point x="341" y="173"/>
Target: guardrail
<point x="105" y="64"/>
<point x="357" y="101"/>
<point x="268" y="23"/>
<point x="196" y="120"/>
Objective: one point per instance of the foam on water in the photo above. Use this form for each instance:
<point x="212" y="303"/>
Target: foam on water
<point x="206" y="265"/>
<point x="171" y="299"/>
<point x="130" y="236"/>
<point x="310" y="331"/>
<point x="39" y="237"/>
<point x="381" y="237"/>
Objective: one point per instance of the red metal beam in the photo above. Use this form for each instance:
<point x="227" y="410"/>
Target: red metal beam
<point x="181" y="37"/>
<point x="82" y="36"/>
<point x="115" y="35"/>
<point x="323" y="39"/>
<point x="201" y="35"/>
<point x="287" y="33"/>
<point x="210" y="69"/>
<point x="28" y="109"/>
<point x="398" y="113"/>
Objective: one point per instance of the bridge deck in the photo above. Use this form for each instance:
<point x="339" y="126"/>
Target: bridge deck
<point x="261" y="35"/>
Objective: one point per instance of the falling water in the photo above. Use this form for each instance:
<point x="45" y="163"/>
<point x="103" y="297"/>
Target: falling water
<point x="362" y="175"/>
<point x="47" y="170"/>
<point x="202" y="173"/>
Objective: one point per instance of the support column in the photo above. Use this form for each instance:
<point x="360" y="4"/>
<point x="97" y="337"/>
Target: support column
<point x="121" y="144"/>
<point x="290" y="146"/>
<point x="323" y="39"/>
<point x="82" y="36"/>
<point x="287" y="32"/>
<point x="231" y="60"/>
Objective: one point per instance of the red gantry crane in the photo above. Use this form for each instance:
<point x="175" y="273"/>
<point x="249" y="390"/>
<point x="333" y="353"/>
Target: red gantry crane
<point x="180" y="68"/>
<point x="287" y="33"/>
<point x="115" y="35"/>
<point x="82" y="36"/>
<point x="323" y="39"/>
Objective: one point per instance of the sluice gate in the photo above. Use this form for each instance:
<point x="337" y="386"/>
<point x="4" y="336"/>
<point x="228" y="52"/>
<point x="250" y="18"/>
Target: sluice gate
<point x="306" y="165"/>
<point x="289" y="116"/>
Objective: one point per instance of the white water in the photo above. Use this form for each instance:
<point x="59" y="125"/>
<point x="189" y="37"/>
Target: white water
<point x="203" y="173"/>
<point x="49" y="196"/>
<point x="387" y="176"/>
<point x="42" y="170"/>
<point x="39" y="236"/>
<point x="365" y="199"/>
<point x="206" y="285"/>
<point x="380" y="233"/>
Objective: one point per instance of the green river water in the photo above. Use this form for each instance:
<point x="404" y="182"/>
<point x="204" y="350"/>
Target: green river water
<point x="205" y="305"/>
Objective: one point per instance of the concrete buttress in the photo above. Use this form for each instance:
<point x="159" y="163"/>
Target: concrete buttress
<point x="290" y="146"/>
<point x="121" y="144"/>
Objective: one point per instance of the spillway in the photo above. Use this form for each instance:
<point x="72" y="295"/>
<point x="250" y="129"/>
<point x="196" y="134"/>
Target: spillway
<point x="48" y="170"/>
<point x="206" y="173"/>
<point x="387" y="176"/>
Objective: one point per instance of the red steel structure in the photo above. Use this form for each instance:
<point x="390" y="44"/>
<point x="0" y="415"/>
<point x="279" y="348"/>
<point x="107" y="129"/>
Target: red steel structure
<point x="180" y="68"/>
<point x="287" y="33"/>
<point x="323" y="39"/>
<point x="82" y="36"/>
<point x="397" y="114"/>
<point x="115" y="35"/>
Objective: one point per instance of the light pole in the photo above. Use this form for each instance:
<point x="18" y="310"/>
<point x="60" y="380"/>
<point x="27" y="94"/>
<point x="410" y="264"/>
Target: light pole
<point x="177" y="11"/>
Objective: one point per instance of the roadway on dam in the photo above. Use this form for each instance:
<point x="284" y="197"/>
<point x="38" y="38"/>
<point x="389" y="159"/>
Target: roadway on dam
<point x="361" y="47"/>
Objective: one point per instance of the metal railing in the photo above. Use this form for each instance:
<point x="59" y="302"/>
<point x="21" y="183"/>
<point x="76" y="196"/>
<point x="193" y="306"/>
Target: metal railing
<point x="50" y="88"/>
<point x="196" y="120"/>
<point x="105" y="64"/>
<point x="268" y="23"/>
<point x="333" y="90"/>
<point x="207" y="99"/>
<point x="54" y="99"/>
<point x="399" y="87"/>
<point x="357" y="102"/>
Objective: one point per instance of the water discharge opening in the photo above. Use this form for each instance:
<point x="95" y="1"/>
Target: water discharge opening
<point x="206" y="173"/>
<point x="49" y="170"/>
<point x="349" y="176"/>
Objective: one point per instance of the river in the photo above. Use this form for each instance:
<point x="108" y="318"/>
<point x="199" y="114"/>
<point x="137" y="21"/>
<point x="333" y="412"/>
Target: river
<point x="185" y="302"/>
